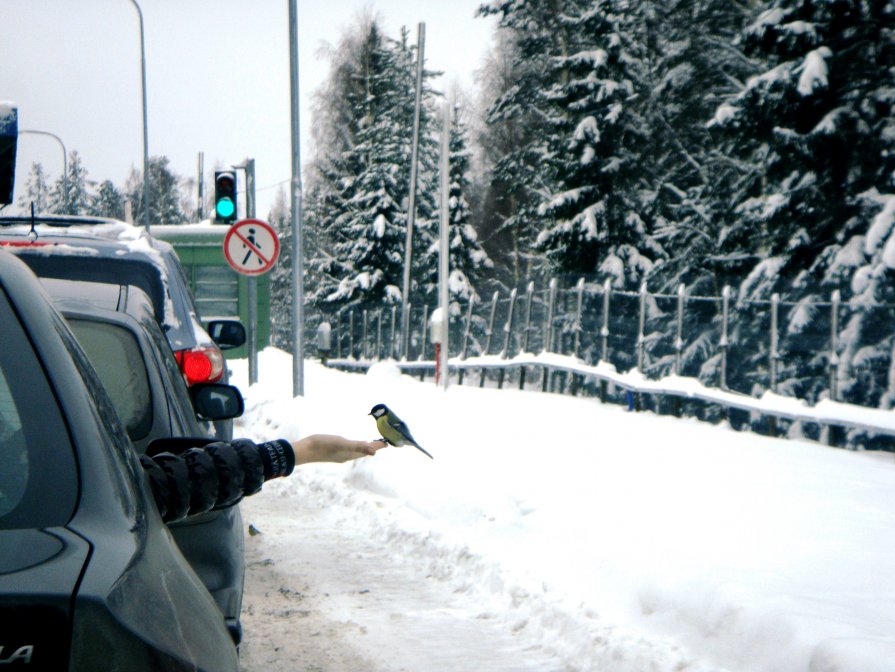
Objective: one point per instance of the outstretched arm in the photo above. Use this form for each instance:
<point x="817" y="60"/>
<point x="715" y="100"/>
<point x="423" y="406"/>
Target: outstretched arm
<point x="219" y="474"/>
<point x="332" y="448"/>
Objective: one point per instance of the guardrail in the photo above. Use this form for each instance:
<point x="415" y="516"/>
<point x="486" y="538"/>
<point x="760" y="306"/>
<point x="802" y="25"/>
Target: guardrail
<point x="825" y="413"/>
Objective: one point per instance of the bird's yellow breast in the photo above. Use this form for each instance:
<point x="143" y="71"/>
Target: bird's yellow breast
<point x="388" y="432"/>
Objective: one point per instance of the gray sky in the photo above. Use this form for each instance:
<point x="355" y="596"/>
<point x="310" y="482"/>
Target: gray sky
<point x="217" y="76"/>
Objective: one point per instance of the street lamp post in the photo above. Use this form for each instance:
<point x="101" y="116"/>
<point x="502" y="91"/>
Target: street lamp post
<point x="298" y="297"/>
<point x="64" y="154"/>
<point x="145" y="124"/>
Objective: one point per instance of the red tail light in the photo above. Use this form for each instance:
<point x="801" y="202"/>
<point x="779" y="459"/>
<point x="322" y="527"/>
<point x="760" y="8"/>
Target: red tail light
<point x="201" y="365"/>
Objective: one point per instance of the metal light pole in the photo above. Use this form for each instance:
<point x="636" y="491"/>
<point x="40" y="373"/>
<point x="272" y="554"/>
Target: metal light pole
<point x="64" y="153"/>
<point x="444" y="253"/>
<point x="145" y="123"/>
<point x="411" y="202"/>
<point x="298" y="312"/>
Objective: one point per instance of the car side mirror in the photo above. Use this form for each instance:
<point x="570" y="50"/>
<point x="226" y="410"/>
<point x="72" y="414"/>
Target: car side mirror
<point x="227" y="334"/>
<point x="214" y="401"/>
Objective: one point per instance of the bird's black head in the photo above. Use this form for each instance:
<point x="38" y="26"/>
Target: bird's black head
<point x="378" y="410"/>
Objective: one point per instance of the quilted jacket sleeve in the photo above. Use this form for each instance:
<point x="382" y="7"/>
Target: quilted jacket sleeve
<point x="213" y="476"/>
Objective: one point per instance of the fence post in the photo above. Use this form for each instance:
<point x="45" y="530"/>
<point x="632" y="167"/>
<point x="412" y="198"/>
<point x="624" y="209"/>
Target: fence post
<point x="725" y="341"/>
<point x="834" y="346"/>
<point x="508" y="334"/>
<point x="679" y="340"/>
<point x="604" y="334"/>
<point x="378" y="334"/>
<point x="351" y="334"/>
<point x="548" y="330"/>
<point x="424" y="340"/>
<point x="365" y="351"/>
<point x="835" y="299"/>
<point x="404" y="337"/>
<point x="489" y="332"/>
<point x="465" y="346"/>
<point x="641" y="338"/>
<point x="576" y="345"/>
<point x="407" y="338"/>
<point x="392" y="341"/>
<point x="774" y="355"/>
<point x="530" y="291"/>
<point x="339" y="334"/>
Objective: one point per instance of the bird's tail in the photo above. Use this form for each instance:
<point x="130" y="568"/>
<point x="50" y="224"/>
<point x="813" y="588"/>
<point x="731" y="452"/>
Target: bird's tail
<point x="420" y="448"/>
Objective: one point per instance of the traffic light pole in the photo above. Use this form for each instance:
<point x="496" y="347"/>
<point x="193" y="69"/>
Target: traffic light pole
<point x="248" y="166"/>
<point x="252" y="284"/>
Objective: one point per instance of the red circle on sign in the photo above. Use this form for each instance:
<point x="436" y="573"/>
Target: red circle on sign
<point x="251" y="247"/>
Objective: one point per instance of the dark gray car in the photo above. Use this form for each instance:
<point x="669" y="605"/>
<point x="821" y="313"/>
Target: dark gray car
<point x="117" y="329"/>
<point x="90" y="578"/>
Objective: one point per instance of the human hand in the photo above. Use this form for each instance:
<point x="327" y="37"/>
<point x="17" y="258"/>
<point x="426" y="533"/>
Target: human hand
<point x="332" y="448"/>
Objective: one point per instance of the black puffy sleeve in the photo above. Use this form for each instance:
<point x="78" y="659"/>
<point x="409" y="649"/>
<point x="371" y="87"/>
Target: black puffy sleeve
<point x="187" y="479"/>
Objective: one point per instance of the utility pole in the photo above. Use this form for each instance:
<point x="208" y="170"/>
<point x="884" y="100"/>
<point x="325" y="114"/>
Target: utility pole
<point x="298" y="312"/>
<point x="145" y="122"/>
<point x="444" y="252"/>
<point x="411" y="205"/>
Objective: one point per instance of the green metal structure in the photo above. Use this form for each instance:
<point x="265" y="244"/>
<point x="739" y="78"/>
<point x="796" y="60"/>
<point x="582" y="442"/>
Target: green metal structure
<point x="219" y="290"/>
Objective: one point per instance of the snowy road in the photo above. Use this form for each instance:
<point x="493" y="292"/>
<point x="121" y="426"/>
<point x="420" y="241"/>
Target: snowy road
<point x="322" y="596"/>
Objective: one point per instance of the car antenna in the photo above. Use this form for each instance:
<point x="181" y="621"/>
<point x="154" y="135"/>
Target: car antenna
<point x="33" y="233"/>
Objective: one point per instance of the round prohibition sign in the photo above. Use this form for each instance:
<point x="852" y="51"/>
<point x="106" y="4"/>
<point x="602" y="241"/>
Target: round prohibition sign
<point x="251" y="247"/>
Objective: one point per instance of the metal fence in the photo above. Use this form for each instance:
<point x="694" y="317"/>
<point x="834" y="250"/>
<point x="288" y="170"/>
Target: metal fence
<point x="792" y="348"/>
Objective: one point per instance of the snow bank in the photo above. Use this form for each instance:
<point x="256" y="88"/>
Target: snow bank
<point x="620" y="541"/>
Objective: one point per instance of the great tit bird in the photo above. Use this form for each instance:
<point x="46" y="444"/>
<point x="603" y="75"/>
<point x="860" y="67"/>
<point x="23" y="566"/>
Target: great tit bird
<point x="393" y="429"/>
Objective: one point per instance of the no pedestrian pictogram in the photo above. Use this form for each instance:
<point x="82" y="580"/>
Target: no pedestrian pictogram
<point x="251" y="247"/>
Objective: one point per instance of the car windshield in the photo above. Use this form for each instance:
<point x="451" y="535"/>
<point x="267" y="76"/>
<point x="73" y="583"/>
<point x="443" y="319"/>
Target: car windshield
<point x="115" y="354"/>
<point x="38" y="478"/>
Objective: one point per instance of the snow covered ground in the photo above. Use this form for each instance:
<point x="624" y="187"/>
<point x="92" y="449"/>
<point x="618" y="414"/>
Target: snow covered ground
<point x="555" y="533"/>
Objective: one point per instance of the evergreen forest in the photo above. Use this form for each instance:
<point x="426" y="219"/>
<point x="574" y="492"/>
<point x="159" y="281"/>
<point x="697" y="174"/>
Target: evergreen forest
<point x="709" y="144"/>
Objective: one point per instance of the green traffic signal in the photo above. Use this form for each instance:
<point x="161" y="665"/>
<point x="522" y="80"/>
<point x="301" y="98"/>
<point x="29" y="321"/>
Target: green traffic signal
<point x="225" y="196"/>
<point x="225" y="208"/>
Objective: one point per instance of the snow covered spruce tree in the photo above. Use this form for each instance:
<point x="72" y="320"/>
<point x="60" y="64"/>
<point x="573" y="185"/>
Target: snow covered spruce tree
<point x="599" y="214"/>
<point x="70" y="195"/>
<point x="820" y="122"/>
<point x="37" y="191"/>
<point x="694" y="64"/>
<point x="363" y="124"/>
<point x="589" y="189"/>
<point x="691" y="65"/>
<point x="280" y="218"/>
<point x="165" y="204"/>
<point x="512" y="140"/>
<point x="108" y="201"/>
<point x="468" y="261"/>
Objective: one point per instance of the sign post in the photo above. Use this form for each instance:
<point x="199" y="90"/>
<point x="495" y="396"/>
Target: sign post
<point x="251" y="247"/>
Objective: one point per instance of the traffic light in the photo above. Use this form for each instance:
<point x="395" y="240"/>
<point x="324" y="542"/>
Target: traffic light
<point x="225" y="196"/>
